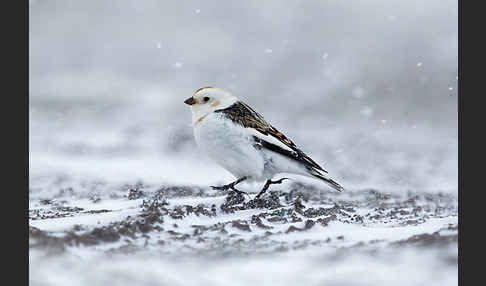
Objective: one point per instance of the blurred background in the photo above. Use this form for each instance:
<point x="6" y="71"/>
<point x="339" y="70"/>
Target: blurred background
<point x="367" y="88"/>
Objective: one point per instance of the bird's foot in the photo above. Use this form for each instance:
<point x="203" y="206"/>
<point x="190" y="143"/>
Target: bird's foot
<point x="267" y="185"/>
<point x="223" y="188"/>
<point x="230" y="187"/>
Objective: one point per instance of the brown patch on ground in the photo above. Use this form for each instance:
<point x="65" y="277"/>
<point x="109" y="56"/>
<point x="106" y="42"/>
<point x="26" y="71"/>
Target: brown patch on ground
<point x="428" y="240"/>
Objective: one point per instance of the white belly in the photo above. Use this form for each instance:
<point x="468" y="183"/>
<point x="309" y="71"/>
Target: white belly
<point x="229" y="146"/>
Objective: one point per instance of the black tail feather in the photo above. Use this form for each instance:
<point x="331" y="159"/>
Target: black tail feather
<point x="330" y="182"/>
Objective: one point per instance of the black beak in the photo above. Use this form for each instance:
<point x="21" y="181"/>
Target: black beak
<point x="190" y="101"/>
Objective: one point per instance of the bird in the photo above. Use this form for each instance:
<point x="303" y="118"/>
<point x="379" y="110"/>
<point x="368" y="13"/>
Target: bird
<point x="241" y="141"/>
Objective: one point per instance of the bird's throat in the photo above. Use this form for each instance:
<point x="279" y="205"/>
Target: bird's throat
<point x="199" y="120"/>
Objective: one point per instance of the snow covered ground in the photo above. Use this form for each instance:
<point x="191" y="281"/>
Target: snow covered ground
<point x="173" y="235"/>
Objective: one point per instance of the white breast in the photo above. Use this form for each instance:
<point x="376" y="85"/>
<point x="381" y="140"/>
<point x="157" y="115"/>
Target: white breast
<point x="229" y="145"/>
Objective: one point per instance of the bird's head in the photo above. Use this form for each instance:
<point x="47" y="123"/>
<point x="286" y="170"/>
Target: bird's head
<point x="208" y="99"/>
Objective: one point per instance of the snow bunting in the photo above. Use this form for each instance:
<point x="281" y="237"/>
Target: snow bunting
<point x="240" y="140"/>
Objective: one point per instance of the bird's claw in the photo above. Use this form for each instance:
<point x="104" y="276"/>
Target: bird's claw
<point x="229" y="187"/>
<point x="267" y="184"/>
<point x="223" y="188"/>
<point x="280" y="181"/>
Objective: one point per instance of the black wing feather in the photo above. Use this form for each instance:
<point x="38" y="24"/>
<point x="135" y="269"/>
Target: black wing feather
<point x="244" y="115"/>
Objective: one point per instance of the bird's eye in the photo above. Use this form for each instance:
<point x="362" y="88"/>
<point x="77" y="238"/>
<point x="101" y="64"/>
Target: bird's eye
<point x="206" y="98"/>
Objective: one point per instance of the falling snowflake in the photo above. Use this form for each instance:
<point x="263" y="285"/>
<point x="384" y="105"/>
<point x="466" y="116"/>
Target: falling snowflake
<point x="384" y="121"/>
<point x="325" y="56"/>
<point x="159" y="45"/>
<point x="366" y="111"/>
<point x="178" y="65"/>
<point x="358" y="92"/>
<point x="419" y="64"/>
<point x="450" y="88"/>
<point x="197" y="11"/>
<point x="268" y="51"/>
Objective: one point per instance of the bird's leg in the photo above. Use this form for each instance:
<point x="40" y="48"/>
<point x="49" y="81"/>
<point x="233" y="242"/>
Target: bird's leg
<point x="231" y="186"/>
<point x="267" y="185"/>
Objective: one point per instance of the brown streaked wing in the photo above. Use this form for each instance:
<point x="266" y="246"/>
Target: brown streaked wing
<point x="244" y="115"/>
